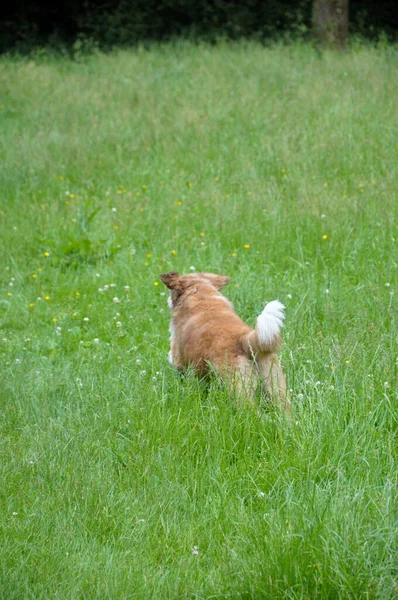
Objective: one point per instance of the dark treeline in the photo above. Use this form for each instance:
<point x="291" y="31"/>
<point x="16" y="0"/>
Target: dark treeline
<point x="28" y="23"/>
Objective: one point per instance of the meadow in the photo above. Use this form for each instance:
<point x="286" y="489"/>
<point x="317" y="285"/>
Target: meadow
<point x="119" y="478"/>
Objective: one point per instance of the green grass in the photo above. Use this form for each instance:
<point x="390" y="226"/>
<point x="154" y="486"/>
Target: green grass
<point x="113" y="468"/>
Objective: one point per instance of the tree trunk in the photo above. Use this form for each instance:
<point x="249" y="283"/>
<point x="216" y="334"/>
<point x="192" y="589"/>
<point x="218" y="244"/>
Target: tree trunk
<point x="330" y="22"/>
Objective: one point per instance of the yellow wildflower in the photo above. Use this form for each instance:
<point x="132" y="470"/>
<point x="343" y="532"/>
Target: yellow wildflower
<point x="34" y="275"/>
<point x="325" y="237"/>
<point x="174" y="252"/>
<point x="46" y="297"/>
<point x="55" y="319"/>
<point x="246" y="246"/>
<point x="31" y="304"/>
<point x="46" y="254"/>
<point x="155" y="283"/>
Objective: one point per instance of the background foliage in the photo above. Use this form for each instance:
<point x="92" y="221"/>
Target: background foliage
<point x="125" y="22"/>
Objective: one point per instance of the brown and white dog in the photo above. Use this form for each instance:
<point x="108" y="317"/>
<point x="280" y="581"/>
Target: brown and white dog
<point x="206" y="333"/>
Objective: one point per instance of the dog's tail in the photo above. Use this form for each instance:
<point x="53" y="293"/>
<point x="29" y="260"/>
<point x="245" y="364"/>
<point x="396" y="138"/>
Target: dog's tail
<point x="265" y="337"/>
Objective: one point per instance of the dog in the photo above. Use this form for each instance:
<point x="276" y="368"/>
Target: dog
<point x="207" y="334"/>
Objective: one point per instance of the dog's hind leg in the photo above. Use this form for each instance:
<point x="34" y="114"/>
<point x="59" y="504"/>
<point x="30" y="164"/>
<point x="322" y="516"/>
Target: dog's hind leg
<point x="273" y="380"/>
<point x="243" y="380"/>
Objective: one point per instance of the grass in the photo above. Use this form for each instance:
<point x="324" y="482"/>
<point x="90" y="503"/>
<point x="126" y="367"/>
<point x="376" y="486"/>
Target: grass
<point x="119" y="479"/>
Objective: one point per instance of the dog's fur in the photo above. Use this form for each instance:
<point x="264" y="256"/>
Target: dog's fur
<point x="207" y="333"/>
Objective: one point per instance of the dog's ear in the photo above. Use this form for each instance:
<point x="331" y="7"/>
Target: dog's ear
<point x="171" y="280"/>
<point x="219" y="281"/>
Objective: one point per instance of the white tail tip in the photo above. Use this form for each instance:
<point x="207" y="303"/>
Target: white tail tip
<point x="269" y="323"/>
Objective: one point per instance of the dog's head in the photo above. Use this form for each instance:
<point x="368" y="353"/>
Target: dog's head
<point x="182" y="284"/>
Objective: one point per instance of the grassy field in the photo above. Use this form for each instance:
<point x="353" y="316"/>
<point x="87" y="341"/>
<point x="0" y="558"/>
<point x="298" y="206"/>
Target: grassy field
<point x="119" y="479"/>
